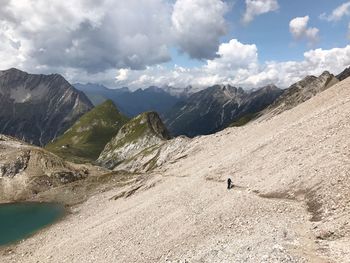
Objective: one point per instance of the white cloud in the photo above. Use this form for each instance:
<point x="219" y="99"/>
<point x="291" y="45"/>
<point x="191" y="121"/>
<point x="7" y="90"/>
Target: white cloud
<point x="234" y="55"/>
<point x="122" y="74"/>
<point x="258" y="7"/>
<point x="315" y="62"/>
<point x="338" y="13"/>
<point x="299" y="29"/>
<point x="121" y="43"/>
<point x="88" y="35"/>
<point x="238" y="65"/>
<point x="97" y="36"/>
<point x="198" y="26"/>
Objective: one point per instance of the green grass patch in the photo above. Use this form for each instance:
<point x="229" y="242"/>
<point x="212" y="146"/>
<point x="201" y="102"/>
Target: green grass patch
<point x="85" y="140"/>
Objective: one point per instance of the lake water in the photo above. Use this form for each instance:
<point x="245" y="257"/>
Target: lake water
<point x="20" y="220"/>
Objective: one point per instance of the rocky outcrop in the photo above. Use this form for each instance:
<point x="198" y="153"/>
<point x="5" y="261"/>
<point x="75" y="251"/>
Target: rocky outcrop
<point x="215" y="108"/>
<point x="344" y="74"/>
<point x="38" y="108"/>
<point x="26" y="170"/>
<point x="299" y="93"/>
<point x="85" y="140"/>
<point x="141" y="134"/>
<point x="156" y="156"/>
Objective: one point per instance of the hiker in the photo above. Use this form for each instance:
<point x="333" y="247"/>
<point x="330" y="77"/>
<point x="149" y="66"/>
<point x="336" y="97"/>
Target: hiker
<point x="229" y="181"/>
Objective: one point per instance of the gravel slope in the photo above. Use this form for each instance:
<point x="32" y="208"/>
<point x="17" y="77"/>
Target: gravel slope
<point x="290" y="202"/>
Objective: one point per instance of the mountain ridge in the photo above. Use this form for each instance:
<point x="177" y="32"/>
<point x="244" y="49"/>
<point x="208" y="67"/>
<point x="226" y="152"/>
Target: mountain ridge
<point x="131" y="103"/>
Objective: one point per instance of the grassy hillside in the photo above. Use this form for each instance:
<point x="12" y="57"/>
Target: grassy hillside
<point x="89" y="135"/>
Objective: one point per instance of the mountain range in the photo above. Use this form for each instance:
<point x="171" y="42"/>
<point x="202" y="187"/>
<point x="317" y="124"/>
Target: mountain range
<point x="216" y="107"/>
<point x="289" y="202"/>
<point x="131" y="103"/>
<point x="47" y="110"/>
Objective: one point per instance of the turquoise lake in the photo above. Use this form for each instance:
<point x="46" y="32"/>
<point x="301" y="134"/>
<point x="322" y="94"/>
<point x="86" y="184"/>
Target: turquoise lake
<point x="20" y="220"/>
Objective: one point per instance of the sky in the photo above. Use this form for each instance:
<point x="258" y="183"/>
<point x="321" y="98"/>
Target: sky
<point x="139" y="43"/>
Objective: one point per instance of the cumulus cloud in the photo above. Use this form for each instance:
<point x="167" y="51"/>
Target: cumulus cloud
<point x="338" y="13"/>
<point x="122" y="74"/>
<point x="315" y="62"/>
<point x="89" y="35"/>
<point x="258" y="7"/>
<point x="238" y="65"/>
<point x="299" y="29"/>
<point x="198" y="26"/>
<point x="96" y="36"/>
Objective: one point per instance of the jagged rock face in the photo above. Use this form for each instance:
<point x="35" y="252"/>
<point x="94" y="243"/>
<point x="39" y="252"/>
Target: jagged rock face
<point x="156" y="156"/>
<point x="26" y="170"/>
<point x="344" y="74"/>
<point x="38" y="108"/>
<point x="85" y="140"/>
<point x="215" y="108"/>
<point x="299" y="93"/>
<point x="141" y="133"/>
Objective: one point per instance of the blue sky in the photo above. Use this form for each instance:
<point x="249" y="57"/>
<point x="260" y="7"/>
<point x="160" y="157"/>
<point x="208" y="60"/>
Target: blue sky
<point x="270" y="32"/>
<point x="139" y="43"/>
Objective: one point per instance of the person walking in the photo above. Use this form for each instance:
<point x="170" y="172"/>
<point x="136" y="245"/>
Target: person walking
<point x="229" y="183"/>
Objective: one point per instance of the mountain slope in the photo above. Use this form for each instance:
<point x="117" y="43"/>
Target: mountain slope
<point x="132" y="103"/>
<point x="85" y="140"/>
<point x="299" y="93"/>
<point x="215" y="108"/>
<point x="289" y="203"/>
<point x="38" y="108"/>
<point x="142" y="132"/>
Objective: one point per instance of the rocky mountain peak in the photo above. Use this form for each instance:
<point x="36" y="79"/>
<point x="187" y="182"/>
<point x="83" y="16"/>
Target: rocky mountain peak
<point x="139" y="134"/>
<point x="38" y="108"/>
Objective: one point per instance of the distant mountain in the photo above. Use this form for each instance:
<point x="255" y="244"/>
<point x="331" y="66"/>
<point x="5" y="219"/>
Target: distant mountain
<point x="216" y="107"/>
<point x="38" y="108"/>
<point x="98" y="93"/>
<point x="181" y="93"/>
<point x="344" y="74"/>
<point x="131" y="103"/>
<point x="138" y="135"/>
<point x="85" y="140"/>
<point x="300" y="92"/>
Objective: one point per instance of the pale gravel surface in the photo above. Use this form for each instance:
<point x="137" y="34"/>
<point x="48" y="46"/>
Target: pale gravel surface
<point x="185" y="214"/>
